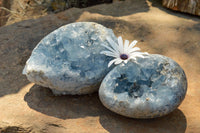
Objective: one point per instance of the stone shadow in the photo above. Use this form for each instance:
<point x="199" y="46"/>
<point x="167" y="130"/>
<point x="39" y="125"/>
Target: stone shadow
<point x="120" y="8"/>
<point x="71" y="107"/>
<point x="174" y="122"/>
<point x="64" y="107"/>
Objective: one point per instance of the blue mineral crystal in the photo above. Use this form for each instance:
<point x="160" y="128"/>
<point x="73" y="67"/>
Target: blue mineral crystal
<point x="149" y="87"/>
<point x="68" y="60"/>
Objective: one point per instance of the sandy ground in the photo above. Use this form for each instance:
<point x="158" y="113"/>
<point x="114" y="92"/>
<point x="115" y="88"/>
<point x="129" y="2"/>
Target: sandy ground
<point x="30" y="108"/>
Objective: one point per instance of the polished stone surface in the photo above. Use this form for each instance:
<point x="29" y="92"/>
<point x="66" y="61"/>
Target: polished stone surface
<point x="147" y="88"/>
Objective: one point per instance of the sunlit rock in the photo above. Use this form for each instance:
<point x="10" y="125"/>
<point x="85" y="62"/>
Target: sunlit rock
<point x="187" y="6"/>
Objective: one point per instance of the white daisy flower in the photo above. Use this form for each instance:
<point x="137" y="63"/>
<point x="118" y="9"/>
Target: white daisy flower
<point x="122" y="53"/>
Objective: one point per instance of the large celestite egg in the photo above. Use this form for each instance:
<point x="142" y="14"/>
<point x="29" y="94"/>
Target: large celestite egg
<point x="68" y="60"/>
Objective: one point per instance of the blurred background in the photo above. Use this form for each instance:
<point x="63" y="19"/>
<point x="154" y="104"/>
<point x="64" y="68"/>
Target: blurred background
<point x="12" y="11"/>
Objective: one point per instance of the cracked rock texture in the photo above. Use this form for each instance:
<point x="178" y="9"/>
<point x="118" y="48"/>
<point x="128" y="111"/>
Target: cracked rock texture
<point x="151" y="87"/>
<point x="68" y="60"/>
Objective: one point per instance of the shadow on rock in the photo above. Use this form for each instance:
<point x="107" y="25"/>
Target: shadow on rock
<point x="175" y="122"/>
<point x="121" y="8"/>
<point x="64" y="107"/>
<point x="70" y="107"/>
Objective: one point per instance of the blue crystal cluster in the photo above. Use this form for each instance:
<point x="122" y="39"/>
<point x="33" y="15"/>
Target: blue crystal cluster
<point x="68" y="60"/>
<point x="147" y="88"/>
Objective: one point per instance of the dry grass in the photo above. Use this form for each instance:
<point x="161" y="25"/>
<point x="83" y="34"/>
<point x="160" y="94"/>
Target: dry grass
<point x="22" y="10"/>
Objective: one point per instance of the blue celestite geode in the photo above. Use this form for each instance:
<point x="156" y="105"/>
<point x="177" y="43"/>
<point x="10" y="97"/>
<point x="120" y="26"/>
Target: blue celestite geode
<point x="68" y="60"/>
<point x="151" y="87"/>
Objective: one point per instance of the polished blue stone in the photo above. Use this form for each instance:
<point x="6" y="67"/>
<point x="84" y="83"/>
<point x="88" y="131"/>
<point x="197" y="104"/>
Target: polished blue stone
<point x="147" y="88"/>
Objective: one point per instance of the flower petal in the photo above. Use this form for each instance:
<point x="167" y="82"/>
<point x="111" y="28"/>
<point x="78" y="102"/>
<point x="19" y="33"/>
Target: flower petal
<point x="137" y="55"/>
<point x="109" y="48"/>
<point x="132" y="57"/>
<point x="132" y="44"/>
<point x="126" y="46"/>
<point x="118" y="61"/>
<point x="113" y="44"/>
<point x="125" y="61"/>
<point x="109" y="53"/>
<point x="145" y="53"/>
<point x="111" y="62"/>
<point x="138" y="52"/>
<point x="116" y="49"/>
<point x="134" y="49"/>
<point x="121" y="46"/>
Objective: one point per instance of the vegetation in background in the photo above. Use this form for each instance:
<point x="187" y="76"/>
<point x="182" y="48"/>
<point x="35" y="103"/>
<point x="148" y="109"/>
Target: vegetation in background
<point x="26" y="9"/>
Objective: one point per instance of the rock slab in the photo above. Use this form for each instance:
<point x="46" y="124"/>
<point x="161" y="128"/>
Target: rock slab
<point x="151" y="87"/>
<point x="68" y="60"/>
<point x="187" y="6"/>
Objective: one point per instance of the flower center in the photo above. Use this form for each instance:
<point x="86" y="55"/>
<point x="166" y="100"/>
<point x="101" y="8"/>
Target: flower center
<point x="124" y="56"/>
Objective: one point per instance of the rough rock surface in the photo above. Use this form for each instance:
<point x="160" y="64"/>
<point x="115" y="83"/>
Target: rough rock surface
<point x="68" y="60"/>
<point x="187" y="6"/>
<point x="157" y="29"/>
<point x="151" y="87"/>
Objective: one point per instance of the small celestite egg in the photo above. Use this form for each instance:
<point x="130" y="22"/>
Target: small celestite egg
<point x="148" y="87"/>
